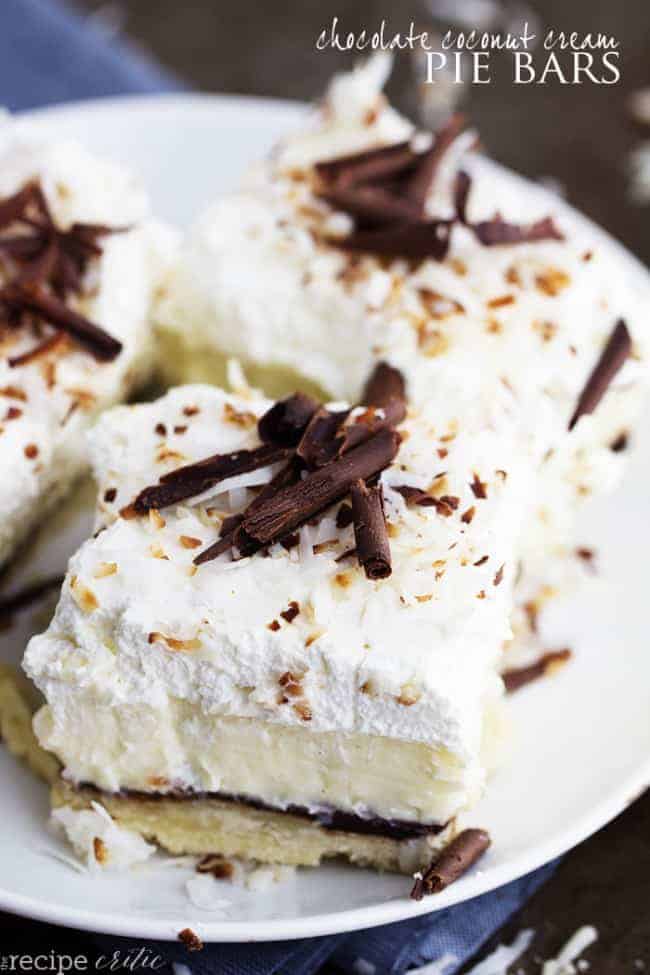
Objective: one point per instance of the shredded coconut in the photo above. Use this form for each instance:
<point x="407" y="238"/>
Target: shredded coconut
<point x="97" y="839"/>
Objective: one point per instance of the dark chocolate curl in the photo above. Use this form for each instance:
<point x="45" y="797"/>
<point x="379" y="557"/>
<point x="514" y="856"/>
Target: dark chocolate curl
<point x="21" y="247"/>
<point x="41" y="267"/>
<point x="319" y="444"/>
<point x="220" y="466"/>
<point x="230" y="528"/>
<point x="47" y="306"/>
<point x="188" y="482"/>
<point x="411" y="241"/>
<point x="371" y="206"/>
<point x="43" y="348"/>
<point x="495" y="232"/>
<point x="420" y="183"/>
<point x="453" y="862"/>
<point x="215" y="550"/>
<point x="386" y="389"/>
<point x="285" y="422"/>
<point x="370" y="532"/>
<point x="518" y="677"/>
<point x="295" y="505"/>
<point x="14" y="207"/>
<point x="371" y="165"/>
<point x="367" y="425"/>
<point x="613" y="356"/>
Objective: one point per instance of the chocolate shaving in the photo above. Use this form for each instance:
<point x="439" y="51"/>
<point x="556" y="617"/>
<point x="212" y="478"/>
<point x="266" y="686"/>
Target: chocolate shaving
<point x="412" y="241"/>
<point x="445" y="505"/>
<point x="370" y="531"/>
<point x="371" y="206"/>
<point x="193" y="479"/>
<point x="517" y="677"/>
<point x="455" y="860"/>
<point x="386" y="389"/>
<point x="367" y="424"/>
<point x="285" y="422"/>
<point x="230" y="526"/>
<point x="620" y="443"/>
<point x="319" y="444"/>
<point x="290" y="541"/>
<point x="34" y="299"/>
<point x="328" y="435"/>
<point x="48" y="345"/>
<point x="428" y="163"/>
<point x="15" y="206"/>
<point x="495" y="232"/>
<point x="218" y="467"/>
<point x="216" y="549"/>
<point x="479" y="488"/>
<point x="415" y="496"/>
<point x="371" y="165"/>
<point x="613" y="356"/>
<point x="344" y="516"/>
<point x="295" y="505"/>
<point x="349" y="552"/>
<point x="386" y="190"/>
<point x="291" y="612"/>
<point x="46" y="254"/>
<point x="49" y="264"/>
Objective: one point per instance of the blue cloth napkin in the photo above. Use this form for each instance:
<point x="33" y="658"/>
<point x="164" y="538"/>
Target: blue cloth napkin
<point x="50" y="53"/>
<point x="389" y="950"/>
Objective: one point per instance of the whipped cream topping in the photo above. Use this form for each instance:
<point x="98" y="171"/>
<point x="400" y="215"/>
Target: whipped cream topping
<point x="47" y="404"/>
<point x="410" y="658"/>
<point x="257" y="277"/>
<point x="496" y="344"/>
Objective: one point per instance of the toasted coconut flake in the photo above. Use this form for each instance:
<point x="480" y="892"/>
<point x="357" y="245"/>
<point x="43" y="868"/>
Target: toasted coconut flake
<point x="187" y="541"/>
<point x="156" y="519"/>
<point x="84" y="597"/>
<point x="105" y="569"/>
<point x="177" y="646"/>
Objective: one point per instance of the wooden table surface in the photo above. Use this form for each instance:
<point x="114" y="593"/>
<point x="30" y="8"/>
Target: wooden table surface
<point x="577" y="135"/>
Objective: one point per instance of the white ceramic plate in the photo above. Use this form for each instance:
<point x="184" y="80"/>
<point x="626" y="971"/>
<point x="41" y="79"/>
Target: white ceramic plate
<point x="582" y="750"/>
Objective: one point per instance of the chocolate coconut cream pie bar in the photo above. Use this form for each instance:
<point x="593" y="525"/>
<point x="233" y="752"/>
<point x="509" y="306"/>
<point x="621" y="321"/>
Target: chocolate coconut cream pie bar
<point x="284" y="640"/>
<point x="79" y="263"/>
<point x="361" y="238"/>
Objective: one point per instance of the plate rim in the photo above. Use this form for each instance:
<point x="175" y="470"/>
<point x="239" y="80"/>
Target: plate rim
<point x="355" y="919"/>
<point x="396" y="909"/>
